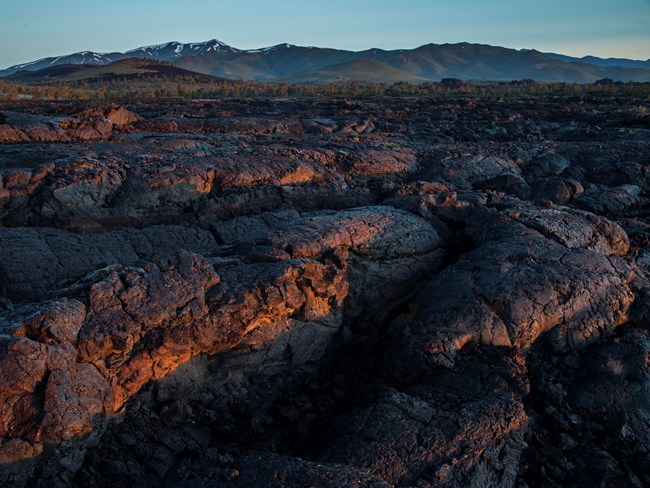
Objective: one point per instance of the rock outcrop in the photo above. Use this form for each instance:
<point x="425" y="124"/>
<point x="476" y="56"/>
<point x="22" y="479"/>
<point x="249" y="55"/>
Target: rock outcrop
<point x="373" y="292"/>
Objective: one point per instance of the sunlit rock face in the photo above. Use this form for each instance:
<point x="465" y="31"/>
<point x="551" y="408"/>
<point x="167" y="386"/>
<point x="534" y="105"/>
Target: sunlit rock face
<point x="371" y="292"/>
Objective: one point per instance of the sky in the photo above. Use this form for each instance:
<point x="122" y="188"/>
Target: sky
<point x="34" y="29"/>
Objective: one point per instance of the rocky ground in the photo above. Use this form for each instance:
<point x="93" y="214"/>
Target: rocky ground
<point x="363" y="292"/>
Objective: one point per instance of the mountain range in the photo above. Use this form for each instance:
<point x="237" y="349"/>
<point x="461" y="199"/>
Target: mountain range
<point x="287" y="62"/>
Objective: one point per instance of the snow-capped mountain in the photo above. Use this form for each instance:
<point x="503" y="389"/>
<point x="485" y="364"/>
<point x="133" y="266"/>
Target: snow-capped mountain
<point x="270" y="49"/>
<point x="287" y="62"/>
<point x="84" y="57"/>
<point x="160" y="52"/>
<point x="173" y="50"/>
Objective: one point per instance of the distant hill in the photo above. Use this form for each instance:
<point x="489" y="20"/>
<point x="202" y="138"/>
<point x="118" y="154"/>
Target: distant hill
<point x="267" y="64"/>
<point x="364" y="69"/>
<point x="605" y="62"/>
<point x="124" y="69"/>
<point x="286" y="62"/>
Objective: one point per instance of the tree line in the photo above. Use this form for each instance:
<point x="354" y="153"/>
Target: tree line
<point x="191" y="88"/>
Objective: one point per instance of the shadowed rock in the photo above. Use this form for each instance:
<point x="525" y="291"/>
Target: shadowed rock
<point x="518" y="285"/>
<point x="396" y="291"/>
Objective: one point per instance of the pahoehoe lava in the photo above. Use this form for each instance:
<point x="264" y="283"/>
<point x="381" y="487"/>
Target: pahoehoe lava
<point x="325" y="292"/>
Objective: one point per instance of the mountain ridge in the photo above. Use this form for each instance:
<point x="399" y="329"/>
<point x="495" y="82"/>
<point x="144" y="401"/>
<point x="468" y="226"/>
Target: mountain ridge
<point x="429" y="62"/>
<point x="608" y="62"/>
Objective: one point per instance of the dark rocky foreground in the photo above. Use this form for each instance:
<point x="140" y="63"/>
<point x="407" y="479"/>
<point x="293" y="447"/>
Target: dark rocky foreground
<point x="393" y="292"/>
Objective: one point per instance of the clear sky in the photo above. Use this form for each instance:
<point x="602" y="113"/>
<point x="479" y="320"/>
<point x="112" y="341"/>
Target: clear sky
<point x="32" y="29"/>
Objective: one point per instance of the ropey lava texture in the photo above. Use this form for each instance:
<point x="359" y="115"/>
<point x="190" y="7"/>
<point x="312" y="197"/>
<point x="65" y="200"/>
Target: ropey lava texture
<point x="373" y="292"/>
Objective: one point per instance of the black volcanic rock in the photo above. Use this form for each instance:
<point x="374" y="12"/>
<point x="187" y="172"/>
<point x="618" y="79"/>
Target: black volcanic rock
<point x="329" y="292"/>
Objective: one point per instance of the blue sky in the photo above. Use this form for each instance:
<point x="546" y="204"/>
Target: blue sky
<point x="31" y="29"/>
